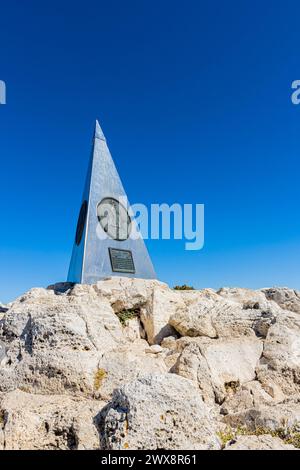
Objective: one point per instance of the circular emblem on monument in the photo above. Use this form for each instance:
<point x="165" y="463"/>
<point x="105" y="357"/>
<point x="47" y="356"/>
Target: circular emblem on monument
<point x="114" y="219"/>
<point x="81" y="222"/>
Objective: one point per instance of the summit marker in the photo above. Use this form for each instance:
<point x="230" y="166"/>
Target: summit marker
<point x="104" y="244"/>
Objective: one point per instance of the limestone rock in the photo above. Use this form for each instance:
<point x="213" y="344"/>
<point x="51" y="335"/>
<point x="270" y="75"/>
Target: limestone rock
<point x="63" y="321"/>
<point x="280" y="362"/>
<point x="171" y="361"/>
<point x="288" y="299"/>
<point x="125" y="293"/>
<point x="251" y="395"/>
<point x="217" y="365"/>
<point x="232" y="360"/>
<point x="54" y="342"/>
<point x="210" y="314"/>
<point x="48" y="422"/>
<point x="247" y="298"/>
<point x="158" y="412"/>
<point x="264" y="442"/>
<point x="192" y="365"/>
<point x="133" y="330"/>
<point x="131" y="363"/>
<point x="196" y="318"/>
<point x="169" y="342"/>
<point x="120" y="366"/>
<point x="156" y="314"/>
<point x="154" y="349"/>
<point x="154" y="299"/>
<point x="282" y="416"/>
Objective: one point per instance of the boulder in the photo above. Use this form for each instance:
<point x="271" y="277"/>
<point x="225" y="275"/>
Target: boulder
<point x="285" y="416"/>
<point x="264" y="442"/>
<point x="122" y="365"/>
<point x="155" y="301"/>
<point x="133" y="329"/>
<point x="125" y="293"/>
<point x="192" y="365"/>
<point x="210" y="314"/>
<point x="251" y="395"/>
<point x="232" y="360"/>
<point x="247" y="298"/>
<point x="287" y="299"/>
<point x="54" y="342"/>
<point x="157" y="312"/>
<point x="169" y="342"/>
<point x="158" y="412"/>
<point x="218" y="365"/>
<point x="32" y="422"/>
<point x="280" y="362"/>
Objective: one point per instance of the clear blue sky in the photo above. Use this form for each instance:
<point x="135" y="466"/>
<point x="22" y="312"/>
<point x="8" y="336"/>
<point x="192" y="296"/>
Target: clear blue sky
<point x="194" y="99"/>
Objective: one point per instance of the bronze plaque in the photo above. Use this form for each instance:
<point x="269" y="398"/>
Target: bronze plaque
<point x="121" y="261"/>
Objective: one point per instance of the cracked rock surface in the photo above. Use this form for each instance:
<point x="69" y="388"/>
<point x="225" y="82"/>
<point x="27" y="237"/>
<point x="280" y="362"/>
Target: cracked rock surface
<point x="132" y="364"/>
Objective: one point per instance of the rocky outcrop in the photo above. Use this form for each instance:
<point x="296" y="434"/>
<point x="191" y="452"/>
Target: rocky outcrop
<point x="47" y="422"/>
<point x="125" y="364"/>
<point x="54" y="342"/>
<point x="232" y="312"/>
<point x="265" y="416"/>
<point x="218" y="365"/>
<point x="131" y="363"/>
<point x="288" y="299"/>
<point x="158" y="412"/>
<point x="280" y="362"/>
<point x="265" y="442"/>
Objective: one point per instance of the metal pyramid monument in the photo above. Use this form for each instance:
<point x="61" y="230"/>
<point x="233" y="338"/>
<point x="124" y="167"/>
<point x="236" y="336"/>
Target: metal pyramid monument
<point x="104" y="245"/>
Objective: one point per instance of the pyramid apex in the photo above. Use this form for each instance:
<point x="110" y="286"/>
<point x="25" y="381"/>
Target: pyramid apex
<point x="98" y="131"/>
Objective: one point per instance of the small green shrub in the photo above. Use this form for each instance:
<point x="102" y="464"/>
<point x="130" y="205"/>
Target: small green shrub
<point x="294" y="439"/>
<point x="184" y="287"/>
<point x="288" y="436"/>
<point x="127" y="314"/>
<point x="226" y="436"/>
